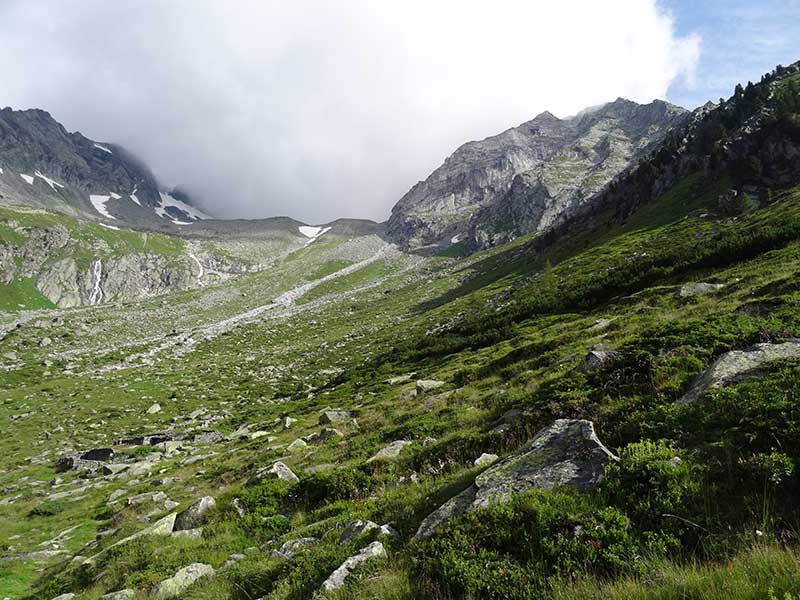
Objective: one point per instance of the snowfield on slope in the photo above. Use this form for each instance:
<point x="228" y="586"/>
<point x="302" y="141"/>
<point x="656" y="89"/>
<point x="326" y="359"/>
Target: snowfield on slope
<point x="168" y="201"/>
<point x="99" y="203"/>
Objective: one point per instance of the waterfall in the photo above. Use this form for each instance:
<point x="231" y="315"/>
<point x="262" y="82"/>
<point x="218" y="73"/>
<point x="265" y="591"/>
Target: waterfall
<point x="97" y="292"/>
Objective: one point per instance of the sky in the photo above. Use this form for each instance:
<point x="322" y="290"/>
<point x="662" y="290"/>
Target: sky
<point x="318" y="109"/>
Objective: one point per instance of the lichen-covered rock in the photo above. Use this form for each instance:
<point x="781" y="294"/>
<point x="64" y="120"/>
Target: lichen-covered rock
<point x="485" y="459"/>
<point x="733" y="365"/>
<point x="276" y="470"/>
<point x="195" y="515"/>
<point x="338" y="578"/>
<point x="567" y="452"/>
<point x="180" y="581"/>
<point x="426" y="385"/>
<point x="393" y="450"/>
<point x="598" y="359"/>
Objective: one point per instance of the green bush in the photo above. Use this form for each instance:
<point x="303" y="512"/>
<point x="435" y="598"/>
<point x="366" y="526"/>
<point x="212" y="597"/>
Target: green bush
<point x="654" y="484"/>
<point x="510" y="550"/>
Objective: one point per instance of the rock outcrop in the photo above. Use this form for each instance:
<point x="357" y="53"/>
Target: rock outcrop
<point x="338" y="578"/>
<point x="567" y="452"/>
<point x="180" y="581"/>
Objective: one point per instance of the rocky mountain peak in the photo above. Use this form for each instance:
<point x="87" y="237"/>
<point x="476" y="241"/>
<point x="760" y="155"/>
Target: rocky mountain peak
<point x="565" y="161"/>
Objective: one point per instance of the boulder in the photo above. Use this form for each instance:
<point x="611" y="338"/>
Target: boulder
<point x="127" y="594"/>
<point x="180" y="581"/>
<point x="329" y="433"/>
<point x="288" y="422"/>
<point x="336" y="415"/>
<point x="296" y="445"/>
<point x="393" y="450"/>
<point x="399" y="379"/>
<point x="426" y="385"/>
<point x="732" y="366"/>
<point x="485" y="459"/>
<point x="698" y="289"/>
<point x="598" y="359"/>
<point x="155" y="408"/>
<point x="292" y="547"/>
<point x="68" y="596"/>
<point x="195" y="515"/>
<point x="567" y="452"/>
<point x="338" y="578"/>
<point x="276" y="470"/>
<point x="356" y="529"/>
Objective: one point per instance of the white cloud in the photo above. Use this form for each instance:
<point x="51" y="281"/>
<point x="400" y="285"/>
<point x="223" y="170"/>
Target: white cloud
<point x="319" y="109"/>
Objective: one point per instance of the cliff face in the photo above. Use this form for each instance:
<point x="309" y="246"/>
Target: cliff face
<point x="522" y="179"/>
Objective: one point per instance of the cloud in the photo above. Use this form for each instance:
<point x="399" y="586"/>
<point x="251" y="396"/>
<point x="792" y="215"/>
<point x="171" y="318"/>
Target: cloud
<point x="319" y="109"/>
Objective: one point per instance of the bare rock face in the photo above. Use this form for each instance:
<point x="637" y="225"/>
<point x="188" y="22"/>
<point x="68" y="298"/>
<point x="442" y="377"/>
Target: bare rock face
<point x="733" y="365"/>
<point x="567" y="452"/>
<point x="527" y="178"/>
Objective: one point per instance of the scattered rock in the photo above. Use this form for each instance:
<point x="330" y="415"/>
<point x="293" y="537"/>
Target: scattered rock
<point x="232" y="560"/>
<point x="288" y="422"/>
<point x="399" y="379"/>
<point x="732" y="366"/>
<point x="356" y="529"/>
<point x="127" y="594"/>
<point x="485" y="459"/>
<point x="292" y="547"/>
<point x="338" y="578"/>
<point x="598" y="359"/>
<point x="191" y="534"/>
<point x="426" y="385"/>
<point x="391" y="451"/>
<point x="155" y="408"/>
<point x="567" y="452"/>
<point x="698" y="289"/>
<point x="336" y="415"/>
<point x="329" y="433"/>
<point x="296" y="445"/>
<point x="240" y="507"/>
<point x="180" y="581"/>
<point x="68" y="596"/>
<point x="276" y="470"/>
<point x="195" y="515"/>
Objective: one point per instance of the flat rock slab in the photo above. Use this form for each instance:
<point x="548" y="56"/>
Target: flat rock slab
<point x="426" y="385"/>
<point x="732" y="366"/>
<point x="336" y="415"/>
<point x="567" y="452"/>
<point x="393" y="450"/>
<point x="698" y="289"/>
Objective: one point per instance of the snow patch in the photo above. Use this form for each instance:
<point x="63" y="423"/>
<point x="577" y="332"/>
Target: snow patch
<point x="28" y="178"/>
<point x="103" y="148"/>
<point x="99" y="203"/>
<point x="51" y="182"/>
<point x="114" y="227"/>
<point x="115" y="196"/>
<point x="133" y="196"/>
<point x="169" y="201"/>
<point x="1" y="170"/>
<point x="313" y="233"/>
<point x="455" y="239"/>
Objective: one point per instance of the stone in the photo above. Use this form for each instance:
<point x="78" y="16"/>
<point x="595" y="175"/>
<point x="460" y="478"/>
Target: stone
<point x="195" y="515"/>
<point x="698" y="289"/>
<point x="208" y="437"/>
<point x="155" y="408"/>
<point x="288" y="422"/>
<point x="338" y="578"/>
<point x="393" y="450"/>
<point x="154" y="497"/>
<point x="329" y="433"/>
<point x="426" y="385"/>
<point x="127" y="594"/>
<point x="336" y="415"/>
<point x="68" y="596"/>
<point x="232" y="560"/>
<point x="732" y="366"/>
<point x="356" y="529"/>
<point x="254" y="435"/>
<point x="399" y="379"/>
<point x="567" y="452"/>
<point x="240" y="507"/>
<point x="180" y="581"/>
<point x="276" y="470"/>
<point x="296" y="445"/>
<point x="190" y="534"/>
<point x="388" y="531"/>
<point x="598" y="359"/>
<point x="291" y="548"/>
<point x="485" y="459"/>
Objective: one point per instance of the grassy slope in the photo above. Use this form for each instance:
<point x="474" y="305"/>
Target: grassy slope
<point x="528" y="363"/>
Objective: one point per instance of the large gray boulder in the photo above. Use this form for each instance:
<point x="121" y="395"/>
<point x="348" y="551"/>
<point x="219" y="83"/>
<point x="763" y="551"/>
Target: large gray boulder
<point x="567" y="452"/>
<point x="293" y="547"/>
<point x="732" y="366"/>
<point x="180" y="581"/>
<point x="195" y="515"/>
<point x="335" y="415"/>
<point x="338" y="578"/>
<point x="356" y="529"/>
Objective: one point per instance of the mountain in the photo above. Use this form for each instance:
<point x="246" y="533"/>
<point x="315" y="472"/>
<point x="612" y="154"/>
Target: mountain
<point x="43" y="165"/>
<point x="522" y="180"/>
